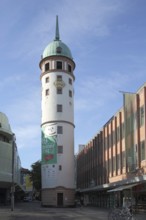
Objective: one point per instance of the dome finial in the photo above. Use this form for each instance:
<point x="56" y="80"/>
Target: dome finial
<point x="57" y="29"/>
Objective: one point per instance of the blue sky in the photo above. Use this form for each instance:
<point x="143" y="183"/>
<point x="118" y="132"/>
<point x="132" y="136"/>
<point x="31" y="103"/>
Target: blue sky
<point x="108" y="44"/>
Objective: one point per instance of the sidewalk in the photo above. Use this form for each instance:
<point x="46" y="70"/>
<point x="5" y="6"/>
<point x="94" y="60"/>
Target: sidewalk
<point x="34" y="211"/>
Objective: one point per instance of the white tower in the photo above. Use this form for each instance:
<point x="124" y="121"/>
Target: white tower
<point x="57" y="65"/>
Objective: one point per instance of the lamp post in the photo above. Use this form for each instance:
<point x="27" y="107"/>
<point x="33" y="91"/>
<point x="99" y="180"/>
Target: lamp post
<point x="13" y="185"/>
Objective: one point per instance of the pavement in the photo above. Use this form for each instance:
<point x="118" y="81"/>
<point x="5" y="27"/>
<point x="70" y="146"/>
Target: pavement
<point x="34" y="211"/>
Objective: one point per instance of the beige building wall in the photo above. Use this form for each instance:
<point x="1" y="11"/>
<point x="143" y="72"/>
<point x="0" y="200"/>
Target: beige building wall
<point x="115" y="144"/>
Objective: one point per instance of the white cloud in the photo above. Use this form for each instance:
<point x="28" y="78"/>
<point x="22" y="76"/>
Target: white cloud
<point x="23" y="108"/>
<point x="28" y="136"/>
<point x="95" y="91"/>
<point x="10" y="79"/>
<point x="86" y="17"/>
<point x="80" y="19"/>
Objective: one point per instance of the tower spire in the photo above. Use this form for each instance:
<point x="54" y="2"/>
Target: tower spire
<point x="57" y="29"/>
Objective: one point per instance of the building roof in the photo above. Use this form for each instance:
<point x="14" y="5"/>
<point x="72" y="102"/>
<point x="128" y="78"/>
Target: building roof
<point x="4" y="123"/>
<point x="57" y="47"/>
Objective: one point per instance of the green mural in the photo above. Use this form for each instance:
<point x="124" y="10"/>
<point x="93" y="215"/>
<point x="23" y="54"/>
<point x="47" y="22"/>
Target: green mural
<point x="49" y="149"/>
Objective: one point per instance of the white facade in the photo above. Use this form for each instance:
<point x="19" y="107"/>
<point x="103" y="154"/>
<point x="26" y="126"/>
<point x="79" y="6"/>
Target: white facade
<point x="57" y="126"/>
<point x="50" y="102"/>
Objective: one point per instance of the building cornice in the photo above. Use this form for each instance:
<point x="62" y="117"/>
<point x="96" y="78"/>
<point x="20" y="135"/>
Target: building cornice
<point x="58" y="121"/>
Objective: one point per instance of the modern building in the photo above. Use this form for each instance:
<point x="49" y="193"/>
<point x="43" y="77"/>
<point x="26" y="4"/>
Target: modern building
<point x="57" y="78"/>
<point x="9" y="160"/>
<point x="26" y="182"/>
<point x="112" y="166"/>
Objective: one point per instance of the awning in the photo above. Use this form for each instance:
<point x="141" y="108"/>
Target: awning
<point x="123" y="187"/>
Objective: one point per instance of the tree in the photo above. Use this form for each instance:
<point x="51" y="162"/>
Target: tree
<point x="35" y="175"/>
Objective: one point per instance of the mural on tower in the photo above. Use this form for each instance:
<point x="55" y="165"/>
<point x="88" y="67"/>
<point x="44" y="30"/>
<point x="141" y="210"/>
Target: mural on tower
<point x="49" y="144"/>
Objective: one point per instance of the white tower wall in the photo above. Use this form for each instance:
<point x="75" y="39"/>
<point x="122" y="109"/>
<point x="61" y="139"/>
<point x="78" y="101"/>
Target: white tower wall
<point x="50" y="102"/>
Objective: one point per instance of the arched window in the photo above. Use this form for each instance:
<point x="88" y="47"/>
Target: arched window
<point x="69" y="68"/>
<point x="47" y="66"/>
<point x="47" y="79"/>
<point x="47" y="92"/>
<point x="59" y="65"/>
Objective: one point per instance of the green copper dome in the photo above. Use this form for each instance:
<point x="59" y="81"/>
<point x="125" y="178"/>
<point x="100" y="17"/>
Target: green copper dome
<point x="57" y="47"/>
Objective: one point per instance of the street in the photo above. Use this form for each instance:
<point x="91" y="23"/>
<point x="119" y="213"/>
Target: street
<point x="34" y="211"/>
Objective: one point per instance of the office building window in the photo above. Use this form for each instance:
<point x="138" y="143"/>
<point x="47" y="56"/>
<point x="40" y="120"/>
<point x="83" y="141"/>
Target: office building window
<point x="114" y="137"/>
<point x="110" y="140"/>
<point x="110" y="166"/>
<point x="59" y="108"/>
<point x="142" y="116"/>
<point x="59" y="90"/>
<point x="118" y="162"/>
<point x="59" y="65"/>
<point x="142" y="150"/>
<point x="123" y="159"/>
<point x="59" y="130"/>
<point x="47" y="79"/>
<point x="123" y="130"/>
<point x="47" y="66"/>
<point x="47" y="92"/>
<point x="60" y="149"/>
<point x="3" y="138"/>
<point x="118" y="133"/>
<point x="114" y="164"/>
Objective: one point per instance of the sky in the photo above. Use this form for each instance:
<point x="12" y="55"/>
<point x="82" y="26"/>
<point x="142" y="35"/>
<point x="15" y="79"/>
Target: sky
<point x="108" y="43"/>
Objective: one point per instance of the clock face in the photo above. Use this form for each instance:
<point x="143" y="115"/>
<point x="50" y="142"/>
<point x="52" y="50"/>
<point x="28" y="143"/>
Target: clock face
<point x="51" y="130"/>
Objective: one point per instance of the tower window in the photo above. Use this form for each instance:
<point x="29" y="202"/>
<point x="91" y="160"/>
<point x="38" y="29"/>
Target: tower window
<point x="69" y="68"/>
<point x="59" y="130"/>
<point x="58" y="50"/>
<point x="59" y="65"/>
<point x="60" y="149"/>
<point x="47" y="92"/>
<point x="47" y="66"/>
<point x="70" y="81"/>
<point x="47" y="79"/>
<point x="70" y="93"/>
<point x="60" y="167"/>
<point x="59" y="108"/>
<point x="59" y="90"/>
<point x="59" y="78"/>
<point x="141" y="115"/>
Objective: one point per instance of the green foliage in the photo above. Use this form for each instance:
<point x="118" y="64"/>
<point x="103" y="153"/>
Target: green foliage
<point x="35" y="175"/>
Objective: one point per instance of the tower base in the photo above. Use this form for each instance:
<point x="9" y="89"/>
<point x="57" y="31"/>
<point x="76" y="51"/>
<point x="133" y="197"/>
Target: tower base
<point x="58" y="197"/>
